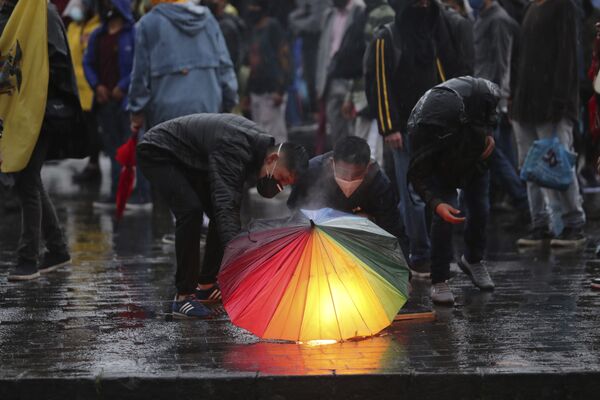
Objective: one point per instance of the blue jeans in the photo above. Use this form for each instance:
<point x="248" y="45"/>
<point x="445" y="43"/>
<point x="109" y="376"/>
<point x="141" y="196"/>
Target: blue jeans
<point x="412" y="208"/>
<point x="504" y="173"/>
<point x="476" y="203"/>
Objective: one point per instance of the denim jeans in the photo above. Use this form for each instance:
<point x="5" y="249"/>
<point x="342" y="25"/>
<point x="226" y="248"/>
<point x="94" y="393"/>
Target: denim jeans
<point x="187" y="194"/>
<point x="114" y="126"/>
<point x="412" y="208"/>
<point x="505" y="174"/>
<point x="476" y="203"/>
<point x="570" y="201"/>
<point x="39" y="220"/>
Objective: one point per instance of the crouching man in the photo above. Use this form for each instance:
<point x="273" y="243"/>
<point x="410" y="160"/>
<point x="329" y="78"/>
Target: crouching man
<point x="199" y="164"/>
<point x="346" y="179"/>
<point x="450" y="132"/>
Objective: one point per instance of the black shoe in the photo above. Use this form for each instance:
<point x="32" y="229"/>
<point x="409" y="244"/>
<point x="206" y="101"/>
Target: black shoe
<point x="536" y="237"/>
<point x="24" y="272"/>
<point x="570" y="237"/>
<point x="89" y="174"/>
<point x="53" y="261"/>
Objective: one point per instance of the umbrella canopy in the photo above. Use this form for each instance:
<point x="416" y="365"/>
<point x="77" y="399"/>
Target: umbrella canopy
<point x="321" y="275"/>
<point x="126" y="157"/>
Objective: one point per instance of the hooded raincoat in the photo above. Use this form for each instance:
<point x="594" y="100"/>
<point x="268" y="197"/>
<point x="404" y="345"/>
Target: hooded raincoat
<point x="182" y="65"/>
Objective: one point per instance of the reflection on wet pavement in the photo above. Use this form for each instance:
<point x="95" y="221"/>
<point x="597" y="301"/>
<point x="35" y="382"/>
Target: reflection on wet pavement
<point x="107" y="314"/>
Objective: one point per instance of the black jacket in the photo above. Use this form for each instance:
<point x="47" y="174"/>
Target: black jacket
<point x="226" y="147"/>
<point x="317" y="188"/>
<point x="448" y="130"/>
<point x="395" y="75"/>
<point x="64" y="116"/>
<point x="545" y="84"/>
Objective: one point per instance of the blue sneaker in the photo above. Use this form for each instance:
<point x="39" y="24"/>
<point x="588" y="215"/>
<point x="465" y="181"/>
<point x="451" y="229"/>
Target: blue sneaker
<point x="189" y="308"/>
<point x="209" y="296"/>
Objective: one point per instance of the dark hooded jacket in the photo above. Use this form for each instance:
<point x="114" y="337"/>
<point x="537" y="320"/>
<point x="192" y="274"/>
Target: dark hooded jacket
<point x="226" y="148"/>
<point x="317" y="188"/>
<point x="448" y="129"/>
<point x="545" y="84"/>
<point x="420" y="49"/>
<point x="126" y="50"/>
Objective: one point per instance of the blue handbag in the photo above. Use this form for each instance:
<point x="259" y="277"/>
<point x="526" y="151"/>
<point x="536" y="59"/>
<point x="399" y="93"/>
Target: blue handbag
<point x="549" y="164"/>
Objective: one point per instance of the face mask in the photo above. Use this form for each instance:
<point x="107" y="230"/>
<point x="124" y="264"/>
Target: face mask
<point x="347" y="187"/>
<point x="268" y="186"/>
<point x="76" y="14"/>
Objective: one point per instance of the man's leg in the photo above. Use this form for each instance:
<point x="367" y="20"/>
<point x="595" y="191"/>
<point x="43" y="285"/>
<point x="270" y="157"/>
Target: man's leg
<point x="339" y="126"/>
<point x="525" y="135"/>
<point x="477" y="210"/>
<point x="442" y="253"/>
<point x="412" y="209"/>
<point x="172" y="184"/>
<point x="570" y="200"/>
<point x="27" y="187"/>
<point x="110" y="120"/>
<point x="506" y="174"/>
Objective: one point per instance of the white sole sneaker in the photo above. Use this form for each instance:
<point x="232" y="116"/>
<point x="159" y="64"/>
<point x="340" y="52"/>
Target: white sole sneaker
<point x="22" y="278"/>
<point x="568" y="243"/>
<point x="55" y="267"/>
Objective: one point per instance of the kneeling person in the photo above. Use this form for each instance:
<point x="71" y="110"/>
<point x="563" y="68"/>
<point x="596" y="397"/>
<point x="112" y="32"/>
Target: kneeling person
<point x="199" y="164"/>
<point x="451" y="130"/>
<point x="348" y="180"/>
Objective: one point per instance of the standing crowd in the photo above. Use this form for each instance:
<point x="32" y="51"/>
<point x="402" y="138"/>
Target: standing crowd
<point x="423" y="114"/>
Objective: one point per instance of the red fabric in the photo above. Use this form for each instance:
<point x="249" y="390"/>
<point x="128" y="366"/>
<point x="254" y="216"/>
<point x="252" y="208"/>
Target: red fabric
<point x="108" y="60"/>
<point x="594" y="118"/>
<point x="126" y="157"/>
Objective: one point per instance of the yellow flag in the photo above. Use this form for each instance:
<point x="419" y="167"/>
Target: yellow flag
<point x="24" y="74"/>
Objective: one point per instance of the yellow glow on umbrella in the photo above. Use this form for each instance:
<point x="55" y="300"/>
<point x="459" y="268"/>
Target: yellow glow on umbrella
<point x="333" y="296"/>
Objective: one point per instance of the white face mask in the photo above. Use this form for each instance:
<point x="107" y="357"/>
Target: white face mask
<point x="76" y="14"/>
<point x="347" y="187"/>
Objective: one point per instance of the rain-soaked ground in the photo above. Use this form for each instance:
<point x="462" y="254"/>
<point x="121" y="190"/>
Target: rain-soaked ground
<point x="100" y="328"/>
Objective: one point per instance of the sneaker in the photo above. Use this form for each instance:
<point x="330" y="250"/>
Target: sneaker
<point x="478" y="273"/>
<point x="421" y="270"/>
<point x="570" y="237"/>
<point x="536" y="237"/>
<point x="189" y="308"/>
<point x="596" y="283"/>
<point x="24" y="272"/>
<point x="207" y="296"/>
<point x="441" y="294"/>
<point x="107" y="203"/>
<point x="53" y="261"/>
<point x="169" y="238"/>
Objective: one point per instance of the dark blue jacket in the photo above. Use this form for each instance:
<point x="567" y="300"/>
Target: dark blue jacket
<point x="317" y="188"/>
<point x="126" y="50"/>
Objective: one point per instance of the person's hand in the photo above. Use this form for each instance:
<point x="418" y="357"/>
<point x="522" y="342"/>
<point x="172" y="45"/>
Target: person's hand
<point x="102" y="94"/>
<point x="117" y="94"/>
<point x="137" y="122"/>
<point x="395" y="141"/>
<point x="277" y="99"/>
<point x="348" y="110"/>
<point x="490" y="144"/>
<point x="447" y="213"/>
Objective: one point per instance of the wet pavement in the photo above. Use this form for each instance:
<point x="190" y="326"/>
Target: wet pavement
<point x="101" y="329"/>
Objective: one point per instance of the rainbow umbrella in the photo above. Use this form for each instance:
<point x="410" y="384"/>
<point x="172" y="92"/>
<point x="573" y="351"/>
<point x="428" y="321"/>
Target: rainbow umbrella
<point x="320" y="275"/>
